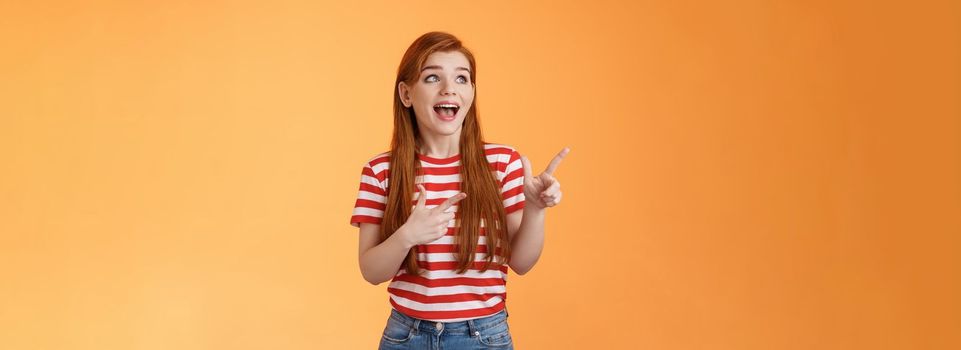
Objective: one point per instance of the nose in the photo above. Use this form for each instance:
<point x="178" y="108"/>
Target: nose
<point x="447" y="89"/>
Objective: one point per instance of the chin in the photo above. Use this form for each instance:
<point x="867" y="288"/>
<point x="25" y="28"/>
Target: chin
<point x="443" y="128"/>
<point x="448" y="132"/>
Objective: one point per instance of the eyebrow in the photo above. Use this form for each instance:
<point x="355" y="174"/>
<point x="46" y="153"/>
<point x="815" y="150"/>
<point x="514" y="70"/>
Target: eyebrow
<point x="439" y="67"/>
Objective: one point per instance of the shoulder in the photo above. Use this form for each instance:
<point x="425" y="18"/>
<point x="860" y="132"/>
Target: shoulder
<point x="503" y="158"/>
<point x="501" y="155"/>
<point x="500" y="149"/>
<point x="381" y="160"/>
<point x="376" y="166"/>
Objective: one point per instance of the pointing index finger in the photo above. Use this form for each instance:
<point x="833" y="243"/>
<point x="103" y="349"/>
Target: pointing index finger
<point x="450" y="202"/>
<point x="556" y="161"/>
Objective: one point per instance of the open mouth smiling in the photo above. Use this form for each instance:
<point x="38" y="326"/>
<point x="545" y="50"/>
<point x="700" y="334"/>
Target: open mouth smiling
<point x="446" y="109"/>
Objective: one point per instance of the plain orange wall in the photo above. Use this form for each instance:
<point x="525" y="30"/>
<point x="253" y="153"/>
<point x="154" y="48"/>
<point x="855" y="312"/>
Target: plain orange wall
<point x="743" y="175"/>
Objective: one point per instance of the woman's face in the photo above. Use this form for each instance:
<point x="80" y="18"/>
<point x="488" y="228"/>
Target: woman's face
<point x="442" y="94"/>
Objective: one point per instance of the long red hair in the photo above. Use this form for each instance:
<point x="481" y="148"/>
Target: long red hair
<point x="477" y="179"/>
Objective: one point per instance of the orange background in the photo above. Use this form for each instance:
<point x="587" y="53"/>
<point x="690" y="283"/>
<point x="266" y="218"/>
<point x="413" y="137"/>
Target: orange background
<point x="743" y="175"/>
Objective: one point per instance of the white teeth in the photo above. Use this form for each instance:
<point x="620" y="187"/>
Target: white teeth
<point x="446" y="105"/>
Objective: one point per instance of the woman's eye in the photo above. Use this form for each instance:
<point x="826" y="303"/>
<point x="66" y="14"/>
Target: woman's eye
<point x="431" y="78"/>
<point x="461" y="79"/>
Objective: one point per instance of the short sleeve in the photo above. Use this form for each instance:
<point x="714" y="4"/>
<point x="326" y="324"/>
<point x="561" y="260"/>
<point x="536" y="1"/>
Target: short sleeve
<point x="371" y="197"/>
<point x="512" y="185"/>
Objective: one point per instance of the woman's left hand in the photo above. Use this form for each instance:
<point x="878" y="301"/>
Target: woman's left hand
<point x="543" y="190"/>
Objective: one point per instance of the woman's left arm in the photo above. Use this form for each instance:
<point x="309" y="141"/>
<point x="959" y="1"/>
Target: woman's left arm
<point x="526" y="228"/>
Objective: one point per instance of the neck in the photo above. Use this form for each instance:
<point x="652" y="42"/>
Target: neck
<point x="440" y="146"/>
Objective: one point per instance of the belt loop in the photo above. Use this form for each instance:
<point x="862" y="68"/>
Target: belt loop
<point x="416" y="325"/>
<point x="472" y="329"/>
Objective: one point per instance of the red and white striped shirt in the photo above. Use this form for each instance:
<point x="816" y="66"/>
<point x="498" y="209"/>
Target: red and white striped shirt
<point x="440" y="294"/>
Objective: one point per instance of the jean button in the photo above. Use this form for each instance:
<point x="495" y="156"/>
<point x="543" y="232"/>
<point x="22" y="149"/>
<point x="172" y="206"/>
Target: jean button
<point x="440" y="326"/>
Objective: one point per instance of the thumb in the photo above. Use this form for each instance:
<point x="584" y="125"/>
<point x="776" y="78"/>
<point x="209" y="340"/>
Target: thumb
<point x="528" y="176"/>
<point x="421" y="196"/>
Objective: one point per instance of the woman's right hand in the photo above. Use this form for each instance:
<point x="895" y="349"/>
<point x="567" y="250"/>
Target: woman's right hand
<point x="427" y="225"/>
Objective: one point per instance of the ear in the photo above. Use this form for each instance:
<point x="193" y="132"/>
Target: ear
<point x="404" y="93"/>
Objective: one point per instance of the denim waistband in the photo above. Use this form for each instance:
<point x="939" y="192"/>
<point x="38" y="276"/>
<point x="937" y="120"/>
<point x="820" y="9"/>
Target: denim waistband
<point x="468" y="327"/>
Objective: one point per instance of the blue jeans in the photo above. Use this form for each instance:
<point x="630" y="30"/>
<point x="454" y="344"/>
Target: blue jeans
<point x="405" y="332"/>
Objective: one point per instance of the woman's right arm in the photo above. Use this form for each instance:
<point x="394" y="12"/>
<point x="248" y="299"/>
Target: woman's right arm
<point x="380" y="262"/>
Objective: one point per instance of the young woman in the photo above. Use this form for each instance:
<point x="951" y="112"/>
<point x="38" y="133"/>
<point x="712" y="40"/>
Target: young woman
<point x="443" y="213"/>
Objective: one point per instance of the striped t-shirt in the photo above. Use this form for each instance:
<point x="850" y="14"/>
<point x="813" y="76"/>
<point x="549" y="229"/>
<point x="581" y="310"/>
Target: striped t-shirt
<point x="439" y="293"/>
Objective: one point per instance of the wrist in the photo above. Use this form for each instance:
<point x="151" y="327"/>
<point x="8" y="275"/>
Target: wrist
<point x="533" y="209"/>
<point x="401" y="236"/>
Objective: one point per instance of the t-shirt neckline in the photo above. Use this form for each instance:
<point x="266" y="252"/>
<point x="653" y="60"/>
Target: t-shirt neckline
<point x="434" y="160"/>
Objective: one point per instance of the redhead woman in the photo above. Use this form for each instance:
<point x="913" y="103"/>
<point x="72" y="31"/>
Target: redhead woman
<point x="444" y="214"/>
